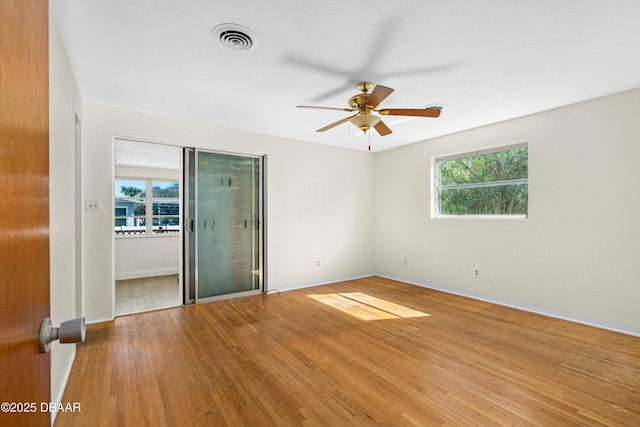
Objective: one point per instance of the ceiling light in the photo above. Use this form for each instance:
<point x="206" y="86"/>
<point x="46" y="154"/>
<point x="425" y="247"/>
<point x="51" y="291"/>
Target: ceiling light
<point x="365" y="121"/>
<point x="234" y="36"/>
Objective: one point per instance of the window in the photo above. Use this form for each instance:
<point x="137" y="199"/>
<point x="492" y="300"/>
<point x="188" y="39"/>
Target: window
<point x="130" y="207"/>
<point x="146" y="207"/>
<point x="166" y="206"/>
<point x="485" y="183"/>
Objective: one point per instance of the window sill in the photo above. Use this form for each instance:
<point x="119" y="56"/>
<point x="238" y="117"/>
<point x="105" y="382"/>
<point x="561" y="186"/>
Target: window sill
<point x="480" y="217"/>
<point x="146" y="236"/>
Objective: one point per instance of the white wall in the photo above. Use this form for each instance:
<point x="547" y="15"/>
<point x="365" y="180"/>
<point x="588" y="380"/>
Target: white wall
<point x="147" y="256"/>
<point x="318" y="200"/>
<point x="65" y="101"/>
<point x="575" y="256"/>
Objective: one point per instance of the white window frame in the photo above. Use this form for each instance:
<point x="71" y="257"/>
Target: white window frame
<point x="149" y="207"/>
<point x="435" y="214"/>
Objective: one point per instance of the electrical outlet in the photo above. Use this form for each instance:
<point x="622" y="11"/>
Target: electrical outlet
<point x="476" y="272"/>
<point x="405" y="261"/>
<point x="318" y="262"/>
<point x="92" y="205"/>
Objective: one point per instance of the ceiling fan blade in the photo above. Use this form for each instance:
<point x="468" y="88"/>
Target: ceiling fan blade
<point x="417" y="112"/>
<point x="325" y="108"/>
<point x="381" y="128"/>
<point x="378" y="95"/>
<point x="339" y="122"/>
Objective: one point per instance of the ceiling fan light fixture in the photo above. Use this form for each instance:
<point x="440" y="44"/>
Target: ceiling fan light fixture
<point x="365" y="121"/>
<point x="234" y="36"/>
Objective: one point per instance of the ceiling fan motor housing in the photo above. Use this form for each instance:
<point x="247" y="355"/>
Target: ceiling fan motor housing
<point x="359" y="101"/>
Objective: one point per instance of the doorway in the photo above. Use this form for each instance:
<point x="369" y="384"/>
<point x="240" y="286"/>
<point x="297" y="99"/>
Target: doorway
<point x="224" y="238"/>
<point x="147" y="232"/>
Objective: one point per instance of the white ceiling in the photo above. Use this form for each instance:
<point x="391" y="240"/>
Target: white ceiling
<point x="484" y="61"/>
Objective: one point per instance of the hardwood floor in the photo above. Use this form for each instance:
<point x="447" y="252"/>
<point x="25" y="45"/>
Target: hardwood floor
<point x="288" y="359"/>
<point x="148" y="293"/>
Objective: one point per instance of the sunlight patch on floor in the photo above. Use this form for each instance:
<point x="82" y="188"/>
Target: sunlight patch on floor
<point x="366" y="307"/>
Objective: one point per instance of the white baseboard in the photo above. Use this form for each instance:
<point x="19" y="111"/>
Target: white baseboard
<point x="126" y="275"/>
<point x="98" y="317"/>
<point x="532" y="308"/>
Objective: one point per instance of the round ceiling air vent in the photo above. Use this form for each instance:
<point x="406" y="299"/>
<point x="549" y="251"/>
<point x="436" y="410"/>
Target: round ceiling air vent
<point x="234" y="36"/>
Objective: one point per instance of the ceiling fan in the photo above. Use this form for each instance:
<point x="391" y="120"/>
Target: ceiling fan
<point x="365" y="103"/>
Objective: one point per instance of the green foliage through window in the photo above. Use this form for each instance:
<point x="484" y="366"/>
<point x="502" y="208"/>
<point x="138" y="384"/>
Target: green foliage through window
<point x="489" y="183"/>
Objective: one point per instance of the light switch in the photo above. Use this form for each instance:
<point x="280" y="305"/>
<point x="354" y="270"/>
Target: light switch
<point x="92" y="205"/>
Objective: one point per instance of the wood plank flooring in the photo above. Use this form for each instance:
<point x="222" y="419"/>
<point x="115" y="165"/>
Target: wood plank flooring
<point x="288" y="359"/>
